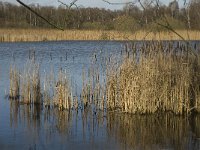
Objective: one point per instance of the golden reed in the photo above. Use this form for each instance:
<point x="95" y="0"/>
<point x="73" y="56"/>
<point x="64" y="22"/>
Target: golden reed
<point x="16" y="35"/>
<point x="26" y="87"/>
<point x="152" y="78"/>
<point x="156" y="78"/>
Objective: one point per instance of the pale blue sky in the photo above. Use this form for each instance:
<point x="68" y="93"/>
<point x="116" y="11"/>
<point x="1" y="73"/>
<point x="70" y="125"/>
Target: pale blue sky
<point x="85" y="3"/>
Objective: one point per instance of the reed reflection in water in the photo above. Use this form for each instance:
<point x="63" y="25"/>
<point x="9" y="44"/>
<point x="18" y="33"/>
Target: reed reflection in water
<point x="98" y="129"/>
<point x="154" y="132"/>
<point x="74" y="129"/>
<point x="89" y="128"/>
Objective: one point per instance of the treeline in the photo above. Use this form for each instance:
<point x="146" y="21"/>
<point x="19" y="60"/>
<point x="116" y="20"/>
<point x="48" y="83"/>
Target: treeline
<point x="130" y="18"/>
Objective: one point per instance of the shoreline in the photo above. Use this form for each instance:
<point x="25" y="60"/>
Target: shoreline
<point x="33" y="35"/>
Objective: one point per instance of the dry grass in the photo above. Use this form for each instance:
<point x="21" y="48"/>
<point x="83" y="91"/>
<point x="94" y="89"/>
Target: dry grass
<point x="156" y="77"/>
<point x="162" y="79"/>
<point x="14" y="83"/>
<point x="63" y="93"/>
<point x="55" y="93"/>
<point x="14" y="35"/>
<point x="93" y="88"/>
<point x="30" y="83"/>
<point x="29" y="91"/>
<point x="48" y="88"/>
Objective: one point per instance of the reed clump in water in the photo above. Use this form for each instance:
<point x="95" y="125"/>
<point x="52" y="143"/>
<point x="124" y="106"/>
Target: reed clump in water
<point x="30" y="83"/>
<point x="55" y="93"/>
<point x="85" y="94"/>
<point x="92" y="88"/>
<point x="14" y="83"/>
<point x="63" y="94"/>
<point x="156" y="78"/>
<point x="48" y="89"/>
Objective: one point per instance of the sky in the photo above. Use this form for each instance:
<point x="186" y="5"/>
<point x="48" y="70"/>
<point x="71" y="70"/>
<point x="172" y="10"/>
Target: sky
<point x="85" y="3"/>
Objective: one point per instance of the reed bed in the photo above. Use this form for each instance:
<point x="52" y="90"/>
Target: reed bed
<point x="26" y="87"/>
<point x="150" y="77"/>
<point x="16" y="35"/>
<point x="157" y="78"/>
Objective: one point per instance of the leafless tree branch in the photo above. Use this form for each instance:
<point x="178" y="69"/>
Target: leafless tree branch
<point x="169" y="27"/>
<point x="73" y="3"/>
<point x="185" y="2"/>
<point x="115" y="3"/>
<point x="63" y="3"/>
<point x="141" y="4"/>
<point x="37" y="14"/>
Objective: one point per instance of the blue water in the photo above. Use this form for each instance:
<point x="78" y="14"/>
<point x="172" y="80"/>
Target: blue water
<point x="35" y="127"/>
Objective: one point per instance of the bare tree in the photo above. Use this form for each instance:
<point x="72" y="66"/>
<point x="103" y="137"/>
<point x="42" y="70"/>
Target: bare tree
<point x="174" y="7"/>
<point x="187" y="8"/>
<point x="36" y="13"/>
<point x="149" y="12"/>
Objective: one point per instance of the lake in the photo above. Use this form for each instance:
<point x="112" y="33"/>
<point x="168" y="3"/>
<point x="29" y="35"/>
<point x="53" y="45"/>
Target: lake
<point x="36" y="127"/>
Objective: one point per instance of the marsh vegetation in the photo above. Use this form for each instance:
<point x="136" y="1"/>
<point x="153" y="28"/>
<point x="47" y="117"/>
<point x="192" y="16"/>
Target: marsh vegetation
<point x="141" y="92"/>
<point x="157" y="77"/>
<point x="19" y="35"/>
<point x="150" y="77"/>
<point x="100" y="94"/>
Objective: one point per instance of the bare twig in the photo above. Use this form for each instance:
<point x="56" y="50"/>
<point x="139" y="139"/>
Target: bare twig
<point x="115" y="3"/>
<point x="141" y="4"/>
<point x="170" y="28"/>
<point x="73" y="3"/>
<point x="185" y="2"/>
<point x="63" y="3"/>
<point x="37" y="14"/>
<point x="146" y="34"/>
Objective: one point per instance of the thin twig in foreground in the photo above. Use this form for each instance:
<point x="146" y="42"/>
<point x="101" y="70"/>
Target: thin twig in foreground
<point x="43" y="18"/>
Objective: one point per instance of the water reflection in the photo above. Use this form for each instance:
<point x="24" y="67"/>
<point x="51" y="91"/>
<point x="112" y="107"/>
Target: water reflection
<point x="154" y="132"/>
<point x="90" y="126"/>
<point x="64" y="128"/>
<point x="25" y="114"/>
<point x="38" y="127"/>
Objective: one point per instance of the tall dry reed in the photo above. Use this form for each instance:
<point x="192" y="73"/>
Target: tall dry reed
<point x="63" y="94"/>
<point x="156" y="78"/>
<point x="48" y="88"/>
<point x="152" y="77"/>
<point x="14" y="35"/>
<point x="14" y="92"/>
<point x="29" y="91"/>
<point x="92" y="87"/>
<point x="30" y="83"/>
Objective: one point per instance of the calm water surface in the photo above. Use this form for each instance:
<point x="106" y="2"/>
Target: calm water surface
<point x="35" y="127"/>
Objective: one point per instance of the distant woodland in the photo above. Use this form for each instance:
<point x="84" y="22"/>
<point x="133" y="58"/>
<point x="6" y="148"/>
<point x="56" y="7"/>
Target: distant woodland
<point x="130" y="18"/>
